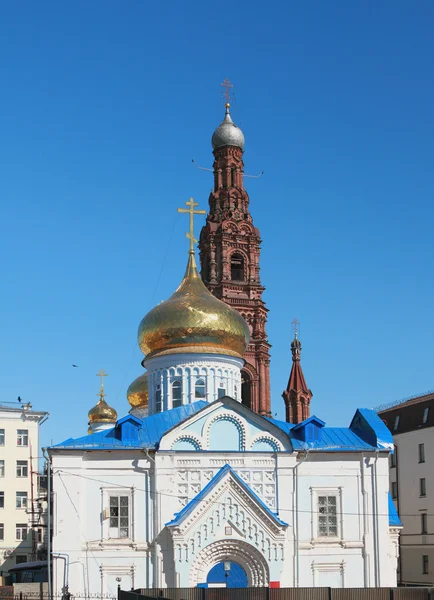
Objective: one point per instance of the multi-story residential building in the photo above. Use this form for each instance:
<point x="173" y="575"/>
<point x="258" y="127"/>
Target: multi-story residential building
<point x="21" y="524"/>
<point x="412" y="485"/>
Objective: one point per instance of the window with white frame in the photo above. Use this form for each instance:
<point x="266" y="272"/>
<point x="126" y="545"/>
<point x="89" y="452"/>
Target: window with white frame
<point x="158" y="399"/>
<point x="119" y="516"/>
<point x="327" y="515"/>
<point x="2" y="468"/>
<point x="21" y="500"/>
<point x="22" y="437"/>
<point x="2" y="499"/>
<point x="21" y="532"/>
<point x="199" y="389"/>
<point x="2" y="437"/>
<point x="22" y="468"/>
<point x="176" y="393"/>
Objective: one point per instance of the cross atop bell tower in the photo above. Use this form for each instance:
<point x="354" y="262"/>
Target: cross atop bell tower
<point x="229" y="254"/>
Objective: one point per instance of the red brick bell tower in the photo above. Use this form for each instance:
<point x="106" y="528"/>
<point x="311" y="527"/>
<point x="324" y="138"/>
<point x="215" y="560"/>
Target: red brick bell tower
<point x="297" y="395"/>
<point x="229" y="254"/>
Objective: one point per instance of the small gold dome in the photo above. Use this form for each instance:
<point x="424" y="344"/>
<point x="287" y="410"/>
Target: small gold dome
<point x="102" y="413"/>
<point x="193" y="320"/>
<point x="137" y="393"/>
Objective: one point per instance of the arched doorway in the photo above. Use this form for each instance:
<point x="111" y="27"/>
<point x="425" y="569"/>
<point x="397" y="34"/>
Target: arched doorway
<point x="247" y="556"/>
<point x="227" y="574"/>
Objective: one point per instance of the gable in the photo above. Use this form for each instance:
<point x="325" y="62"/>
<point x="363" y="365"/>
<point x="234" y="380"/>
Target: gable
<point x="226" y="425"/>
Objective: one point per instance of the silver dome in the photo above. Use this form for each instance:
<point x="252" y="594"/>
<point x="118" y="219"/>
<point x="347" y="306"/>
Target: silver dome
<point x="227" y="134"/>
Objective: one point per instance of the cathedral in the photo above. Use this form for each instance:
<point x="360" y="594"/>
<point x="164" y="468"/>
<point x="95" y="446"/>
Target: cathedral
<point x="197" y="485"/>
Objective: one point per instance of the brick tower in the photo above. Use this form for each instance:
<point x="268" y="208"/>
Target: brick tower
<point x="229" y="254"/>
<point x="297" y="395"/>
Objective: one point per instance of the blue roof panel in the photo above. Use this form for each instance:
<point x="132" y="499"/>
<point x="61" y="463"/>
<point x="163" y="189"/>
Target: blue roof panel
<point x="150" y="430"/>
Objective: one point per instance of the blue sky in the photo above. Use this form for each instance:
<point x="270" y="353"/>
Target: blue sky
<point x="103" y="105"/>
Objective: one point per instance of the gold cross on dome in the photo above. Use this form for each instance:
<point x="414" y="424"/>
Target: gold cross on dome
<point x="227" y="85"/>
<point x="191" y="204"/>
<point x="101" y="375"/>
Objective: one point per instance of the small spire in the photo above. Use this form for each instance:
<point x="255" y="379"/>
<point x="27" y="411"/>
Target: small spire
<point x="297" y="395"/>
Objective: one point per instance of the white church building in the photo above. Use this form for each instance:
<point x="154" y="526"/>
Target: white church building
<point x="192" y="488"/>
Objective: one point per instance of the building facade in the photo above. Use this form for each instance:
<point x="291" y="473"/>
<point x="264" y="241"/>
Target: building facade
<point x="412" y="485"/>
<point x="21" y="511"/>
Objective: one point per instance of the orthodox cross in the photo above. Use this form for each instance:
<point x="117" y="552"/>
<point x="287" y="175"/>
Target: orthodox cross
<point x="101" y="375"/>
<point x="191" y="204"/>
<point x="227" y="85"/>
<point x="295" y="326"/>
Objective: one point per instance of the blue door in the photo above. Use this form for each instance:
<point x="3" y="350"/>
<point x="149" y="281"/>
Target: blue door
<point x="229" y="574"/>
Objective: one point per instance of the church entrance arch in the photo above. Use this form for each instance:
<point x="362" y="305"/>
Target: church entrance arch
<point x="236" y="551"/>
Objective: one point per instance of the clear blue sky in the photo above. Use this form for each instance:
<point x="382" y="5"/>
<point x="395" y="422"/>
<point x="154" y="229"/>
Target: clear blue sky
<point x="103" y="106"/>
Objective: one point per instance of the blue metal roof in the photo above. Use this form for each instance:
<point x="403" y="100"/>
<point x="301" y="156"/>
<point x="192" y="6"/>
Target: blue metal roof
<point x="179" y="517"/>
<point x="150" y="430"/>
<point x="394" y="520"/>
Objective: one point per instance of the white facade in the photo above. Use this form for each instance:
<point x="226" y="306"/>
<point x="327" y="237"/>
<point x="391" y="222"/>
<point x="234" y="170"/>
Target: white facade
<point x="19" y="451"/>
<point x="177" y="379"/>
<point x="223" y="484"/>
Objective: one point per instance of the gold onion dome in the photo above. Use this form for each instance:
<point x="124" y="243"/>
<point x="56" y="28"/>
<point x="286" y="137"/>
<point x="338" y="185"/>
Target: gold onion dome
<point x="102" y="413"/>
<point x="137" y="393"/>
<point x="193" y="320"/>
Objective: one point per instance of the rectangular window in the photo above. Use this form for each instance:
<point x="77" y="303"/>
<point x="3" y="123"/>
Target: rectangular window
<point x="2" y="468"/>
<point x="22" y="468"/>
<point x="22" y="437"/>
<point x="393" y="460"/>
<point x="221" y="392"/>
<point x="21" y="500"/>
<point x="327" y="516"/>
<point x="425" y="415"/>
<point x="2" y="531"/>
<point x="158" y="399"/>
<point x="21" y="532"/>
<point x="2" y="499"/>
<point x="421" y="453"/>
<point x="40" y="537"/>
<point x="394" y="490"/>
<point x="2" y="437"/>
<point x="422" y="486"/>
<point x="425" y="564"/>
<point x="396" y="423"/>
<point x="424" y="523"/>
<point x="119" y="517"/>
<point x="20" y="559"/>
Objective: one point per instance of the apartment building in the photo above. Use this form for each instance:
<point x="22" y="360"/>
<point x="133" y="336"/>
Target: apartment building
<point x="412" y="485"/>
<point x="21" y="509"/>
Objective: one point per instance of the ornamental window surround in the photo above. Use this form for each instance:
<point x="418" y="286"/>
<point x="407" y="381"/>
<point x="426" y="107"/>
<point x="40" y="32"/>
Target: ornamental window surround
<point x="119" y="525"/>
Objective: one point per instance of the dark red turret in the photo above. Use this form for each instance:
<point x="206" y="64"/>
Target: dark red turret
<point x="297" y="395"/>
<point x="229" y="255"/>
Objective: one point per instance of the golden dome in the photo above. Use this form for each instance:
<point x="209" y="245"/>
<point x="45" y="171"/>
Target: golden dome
<point x="193" y="320"/>
<point x="102" y="413"/>
<point x="137" y="393"/>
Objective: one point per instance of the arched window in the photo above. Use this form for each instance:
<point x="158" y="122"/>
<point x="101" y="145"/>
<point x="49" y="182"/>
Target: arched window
<point x="158" y="403"/>
<point x="199" y="390"/>
<point x="237" y="267"/>
<point x="176" y="393"/>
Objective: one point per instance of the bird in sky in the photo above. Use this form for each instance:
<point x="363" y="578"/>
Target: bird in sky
<point x="19" y="398"/>
<point x="76" y="366"/>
